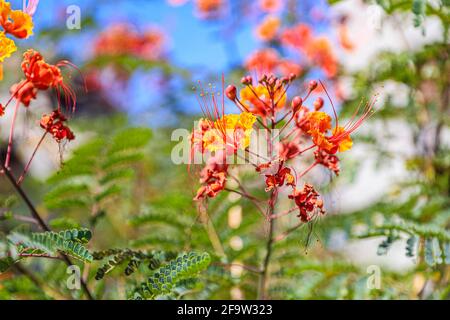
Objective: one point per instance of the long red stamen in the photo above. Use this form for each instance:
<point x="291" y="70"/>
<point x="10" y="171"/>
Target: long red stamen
<point x="332" y="104"/>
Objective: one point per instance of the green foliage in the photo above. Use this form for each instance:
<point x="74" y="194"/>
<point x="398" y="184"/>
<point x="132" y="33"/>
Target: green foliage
<point x="165" y="279"/>
<point x="98" y="171"/>
<point x="46" y="244"/>
<point x="131" y="258"/>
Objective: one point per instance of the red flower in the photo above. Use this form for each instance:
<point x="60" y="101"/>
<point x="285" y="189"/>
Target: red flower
<point x="44" y="76"/>
<point x="24" y="91"/>
<point x="308" y="202"/>
<point x="2" y="110"/>
<point x="328" y="160"/>
<point x="288" y="150"/>
<point x="213" y="177"/>
<point x="277" y="180"/>
<point x="38" y="72"/>
<point x="54" y="124"/>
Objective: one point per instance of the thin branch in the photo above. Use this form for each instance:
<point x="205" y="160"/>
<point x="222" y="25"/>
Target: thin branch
<point x="40" y="221"/>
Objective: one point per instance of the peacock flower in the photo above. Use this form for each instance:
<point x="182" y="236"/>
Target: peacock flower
<point x="315" y="122"/>
<point x="213" y="177"/>
<point x="44" y="76"/>
<point x="257" y="99"/>
<point x="54" y="124"/>
<point x="24" y="91"/>
<point x="15" y="22"/>
<point x="231" y="133"/>
<point x="308" y="202"/>
<point x="327" y="160"/>
<point x="263" y="61"/>
<point x="340" y="140"/>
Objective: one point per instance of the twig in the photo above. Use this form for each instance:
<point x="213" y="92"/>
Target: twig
<point x="27" y="167"/>
<point x="40" y="221"/>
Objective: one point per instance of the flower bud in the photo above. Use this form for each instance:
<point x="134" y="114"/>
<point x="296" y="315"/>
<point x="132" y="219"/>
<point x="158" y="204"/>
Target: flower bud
<point x="230" y="92"/>
<point x="312" y="85"/>
<point x="247" y="80"/>
<point x="318" y="104"/>
<point x="296" y="103"/>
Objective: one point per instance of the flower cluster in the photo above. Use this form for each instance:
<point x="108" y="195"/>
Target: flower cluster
<point x="316" y="48"/>
<point x="123" y="39"/>
<point x="39" y="75"/>
<point x="269" y="61"/>
<point x="54" y="124"/>
<point x="291" y="130"/>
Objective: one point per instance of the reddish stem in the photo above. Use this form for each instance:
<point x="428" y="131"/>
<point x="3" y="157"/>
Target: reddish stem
<point x="27" y="167"/>
<point x="11" y="134"/>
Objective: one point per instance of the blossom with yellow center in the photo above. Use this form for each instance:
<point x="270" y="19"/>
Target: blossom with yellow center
<point x="257" y="99"/>
<point x="318" y="121"/>
<point x="231" y="131"/>
<point x="342" y="139"/>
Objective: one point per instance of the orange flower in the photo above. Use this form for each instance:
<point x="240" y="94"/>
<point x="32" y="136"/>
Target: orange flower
<point x="268" y="29"/>
<point x="340" y="139"/>
<point x="317" y="49"/>
<point x="327" y="160"/>
<point x="24" y="91"/>
<point x="15" y="22"/>
<point x="298" y="36"/>
<point x="270" y="5"/>
<point x="213" y="177"/>
<point x="209" y="8"/>
<point x="44" y="76"/>
<point x="315" y="122"/>
<point x="122" y="39"/>
<point x="37" y="71"/>
<point x="118" y="39"/>
<point x="288" y="67"/>
<point x="320" y="52"/>
<point x="54" y="124"/>
<point x="308" y="202"/>
<point x="263" y="61"/>
<point x="257" y="99"/>
<point x="279" y="178"/>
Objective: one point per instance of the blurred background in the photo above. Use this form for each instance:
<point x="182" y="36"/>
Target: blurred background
<point x="141" y="61"/>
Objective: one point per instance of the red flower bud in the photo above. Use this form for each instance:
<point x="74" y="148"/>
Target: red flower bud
<point x="230" y="92"/>
<point x="318" y="104"/>
<point x="312" y="85"/>
<point x="296" y="103"/>
<point x="247" y="80"/>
